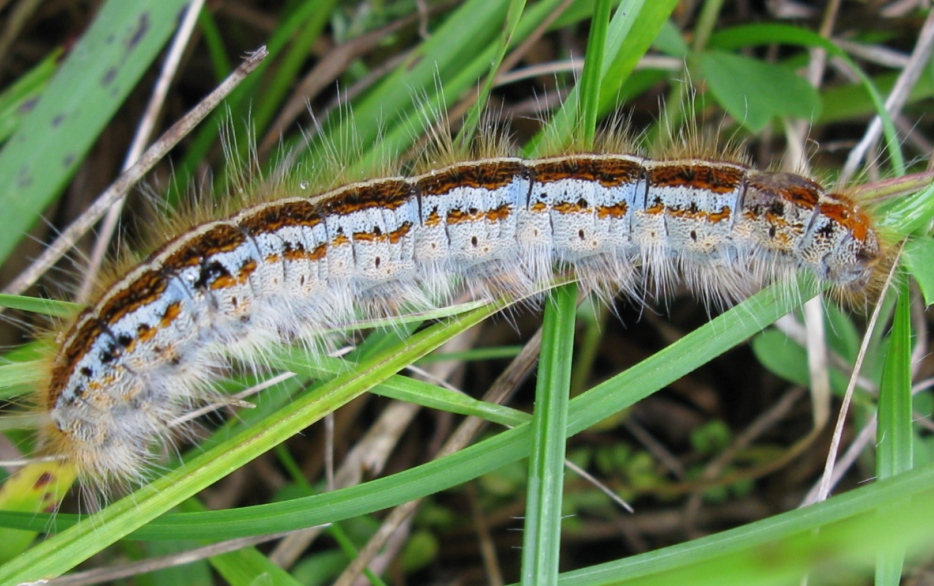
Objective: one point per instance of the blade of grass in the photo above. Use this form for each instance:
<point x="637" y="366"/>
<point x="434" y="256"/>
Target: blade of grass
<point x="592" y="75"/>
<point x="473" y="60"/>
<point x="15" y="100"/>
<point x="243" y="566"/>
<point x="49" y="307"/>
<point x="895" y="433"/>
<point x="239" y="104"/>
<point x="780" y="549"/>
<point x="541" y="537"/>
<point x="630" y="34"/>
<point x="401" y="388"/>
<point x="542" y="532"/>
<point x="472" y="123"/>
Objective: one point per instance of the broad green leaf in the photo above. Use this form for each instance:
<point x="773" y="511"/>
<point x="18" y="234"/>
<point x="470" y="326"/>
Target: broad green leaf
<point x="917" y="256"/>
<point x="17" y="100"/>
<point x="755" y="92"/>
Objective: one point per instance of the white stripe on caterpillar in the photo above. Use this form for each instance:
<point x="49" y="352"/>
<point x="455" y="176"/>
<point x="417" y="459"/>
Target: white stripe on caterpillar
<point x="142" y="355"/>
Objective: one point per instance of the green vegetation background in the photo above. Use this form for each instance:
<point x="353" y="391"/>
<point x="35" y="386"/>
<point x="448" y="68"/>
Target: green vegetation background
<point x="726" y="486"/>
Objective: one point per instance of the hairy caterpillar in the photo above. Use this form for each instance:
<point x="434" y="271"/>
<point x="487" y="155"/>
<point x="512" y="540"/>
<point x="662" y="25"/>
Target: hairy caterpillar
<point x="718" y="287"/>
<point x="142" y="354"/>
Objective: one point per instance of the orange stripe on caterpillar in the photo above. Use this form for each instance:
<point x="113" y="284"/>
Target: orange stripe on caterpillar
<point x="141" y="355"/>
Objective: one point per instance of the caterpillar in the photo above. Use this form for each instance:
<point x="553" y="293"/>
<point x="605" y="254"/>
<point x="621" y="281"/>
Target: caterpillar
<point x="295" y="261"/>
<point x="142" y="354"/>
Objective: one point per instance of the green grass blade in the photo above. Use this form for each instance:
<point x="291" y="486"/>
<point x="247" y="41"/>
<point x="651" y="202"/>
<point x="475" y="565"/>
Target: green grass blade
<point x="401" y="388"/>
<point x="460" y="40"/>
<point x="15" y="100"/>
<point x="472" y="122"/>
<point x="631" y="32"/>
<point x="541" y="544"/>
<point x="782" y="548"/>
<point x="592" y="76"/>
<point x="249" y="567"/>
<point x="542" y="531"/>
<point x="895" y="433"/>
<point x="49" y="307"/>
